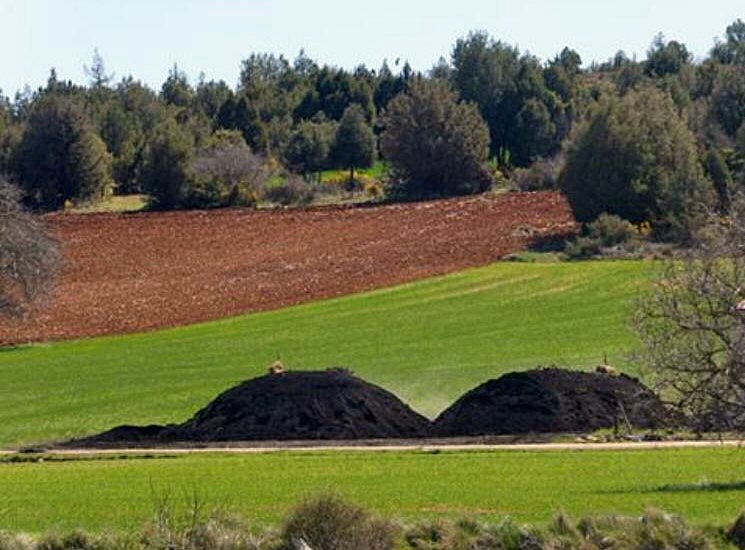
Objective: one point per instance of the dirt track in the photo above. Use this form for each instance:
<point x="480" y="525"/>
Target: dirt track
<point x="138" y="272"/>
<point x="404" y="446"/>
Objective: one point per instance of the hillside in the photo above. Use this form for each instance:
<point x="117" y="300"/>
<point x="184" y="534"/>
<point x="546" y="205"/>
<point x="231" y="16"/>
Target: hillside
<point x="134" y="272"/>
<point x="427" y="342"/>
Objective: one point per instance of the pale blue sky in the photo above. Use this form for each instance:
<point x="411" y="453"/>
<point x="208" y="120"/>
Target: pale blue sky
<point x="145" y="37"/>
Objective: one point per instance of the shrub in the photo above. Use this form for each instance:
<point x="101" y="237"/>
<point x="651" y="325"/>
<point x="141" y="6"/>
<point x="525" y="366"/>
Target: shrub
<point x="12" y="541"/>
<point x="736" y="533"/>
<point x="542" y="174"/>
<point x="293" y="190"/>
<point x="195" y="531"/>
<point x="227" y="175"/>
<point x="606" y="232"/>
<point x="329" y="523"/>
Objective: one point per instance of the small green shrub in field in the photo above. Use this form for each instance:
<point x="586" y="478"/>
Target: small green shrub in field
<point x="329" y="523"/>
<point x="605" y="233"/>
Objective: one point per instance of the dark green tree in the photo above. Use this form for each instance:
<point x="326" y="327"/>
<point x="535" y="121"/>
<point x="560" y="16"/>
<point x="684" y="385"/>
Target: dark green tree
<point x="354" y="143"/>
<point x="210" y="98"/>
<point x="389" y="85"/>
<point x="636" y="158"/>
<point x="436" y="145"/>
<point x="60" y="156"/>
<point x="728" y="99"/>
<point x="176" y="89"/>
<point x="332" y="91"/>
<point x="731" y="51"/>
<point x="309" y="148"/>
<point x="167" y="168"/>
<point x="665" y="58"/>
<point x="720" y="176"/>
<point x="501" y="81"/>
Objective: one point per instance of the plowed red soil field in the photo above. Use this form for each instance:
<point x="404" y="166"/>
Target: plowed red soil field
<point x="137" y="272"/>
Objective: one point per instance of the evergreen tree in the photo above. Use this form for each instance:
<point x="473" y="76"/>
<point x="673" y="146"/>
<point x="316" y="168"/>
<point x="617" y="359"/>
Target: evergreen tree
<point x="61" y="157"/>
<point x="309" y="148"/>
<point x="167" y="170"/>
<point x="436" y="145"/>
<point x="636" y="158"/>
<point x="354" y="144"/>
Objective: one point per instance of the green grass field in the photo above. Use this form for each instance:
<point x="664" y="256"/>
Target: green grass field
<point x="376" y="172"/>
<point x="428" y="342"/>
<point x="114" y="203"/>
<point x="529" y="486"/>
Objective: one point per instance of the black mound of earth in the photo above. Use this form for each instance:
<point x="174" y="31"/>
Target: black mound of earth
<point x="311" y="405"/>
<point x="552" y="401"/>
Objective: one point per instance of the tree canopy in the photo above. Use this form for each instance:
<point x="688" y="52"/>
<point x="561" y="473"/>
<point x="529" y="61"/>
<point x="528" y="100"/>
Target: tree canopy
<point x="636" y="157"/>
<point x="437" y="145"/>
<point x="61" y="157"/>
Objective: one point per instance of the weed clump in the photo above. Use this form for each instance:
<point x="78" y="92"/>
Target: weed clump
<point x="330" y="523"/>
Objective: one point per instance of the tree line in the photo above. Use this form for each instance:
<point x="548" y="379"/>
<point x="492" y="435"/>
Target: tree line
<point x="652" y="141"/>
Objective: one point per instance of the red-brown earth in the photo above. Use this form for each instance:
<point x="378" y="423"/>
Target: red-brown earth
<point x="137" y="272"/>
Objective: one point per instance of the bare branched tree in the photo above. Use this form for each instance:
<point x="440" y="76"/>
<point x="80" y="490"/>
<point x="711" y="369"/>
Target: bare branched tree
<point x="228" y="175"/>
<point x="29" y="256"/>
<point x="692" y="325"/>
<point x="232" y="165"/>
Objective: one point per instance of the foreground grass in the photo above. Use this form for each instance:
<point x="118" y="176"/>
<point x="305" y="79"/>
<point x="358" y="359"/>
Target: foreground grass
<point x="529" y="486"/>
<point x="428" y="342"/>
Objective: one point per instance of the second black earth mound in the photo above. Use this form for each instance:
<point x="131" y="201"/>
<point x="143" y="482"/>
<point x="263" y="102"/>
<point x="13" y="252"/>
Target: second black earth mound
<point x="299" y="405"/>
<point x="552" y="401"/>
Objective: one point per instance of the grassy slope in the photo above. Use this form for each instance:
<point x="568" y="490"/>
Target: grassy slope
<point x="428" y="342"/>
<point x="530" y="486"/>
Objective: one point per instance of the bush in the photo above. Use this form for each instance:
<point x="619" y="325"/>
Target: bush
<point x="636" y="157"/>
<point x="195" y="531"/>
<point x="227" y="175"/>
<point x="542" y="174"/>
<point x="293" y="190"/>
<point x="606" y="232"/>
<point x="330" y="523"/>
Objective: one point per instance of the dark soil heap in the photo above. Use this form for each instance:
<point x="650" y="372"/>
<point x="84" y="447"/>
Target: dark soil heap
<point x="552" y="401"/>
<point x="311" y="405"/>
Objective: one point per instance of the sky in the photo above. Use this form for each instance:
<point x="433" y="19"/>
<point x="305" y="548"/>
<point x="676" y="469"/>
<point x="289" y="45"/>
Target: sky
<point x="144" y="38"/>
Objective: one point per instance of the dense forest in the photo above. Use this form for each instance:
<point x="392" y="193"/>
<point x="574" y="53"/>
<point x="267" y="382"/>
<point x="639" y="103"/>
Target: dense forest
<point x="656" y="141"/>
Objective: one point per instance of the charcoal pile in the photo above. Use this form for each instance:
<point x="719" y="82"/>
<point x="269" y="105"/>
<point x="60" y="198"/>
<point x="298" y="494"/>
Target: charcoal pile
<point x="311" y="405"/>
<point x="552" y="401"/>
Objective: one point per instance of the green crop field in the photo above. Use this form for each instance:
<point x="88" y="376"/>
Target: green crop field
<point x="529" y="486"/>
<point x="428" y="342"/>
